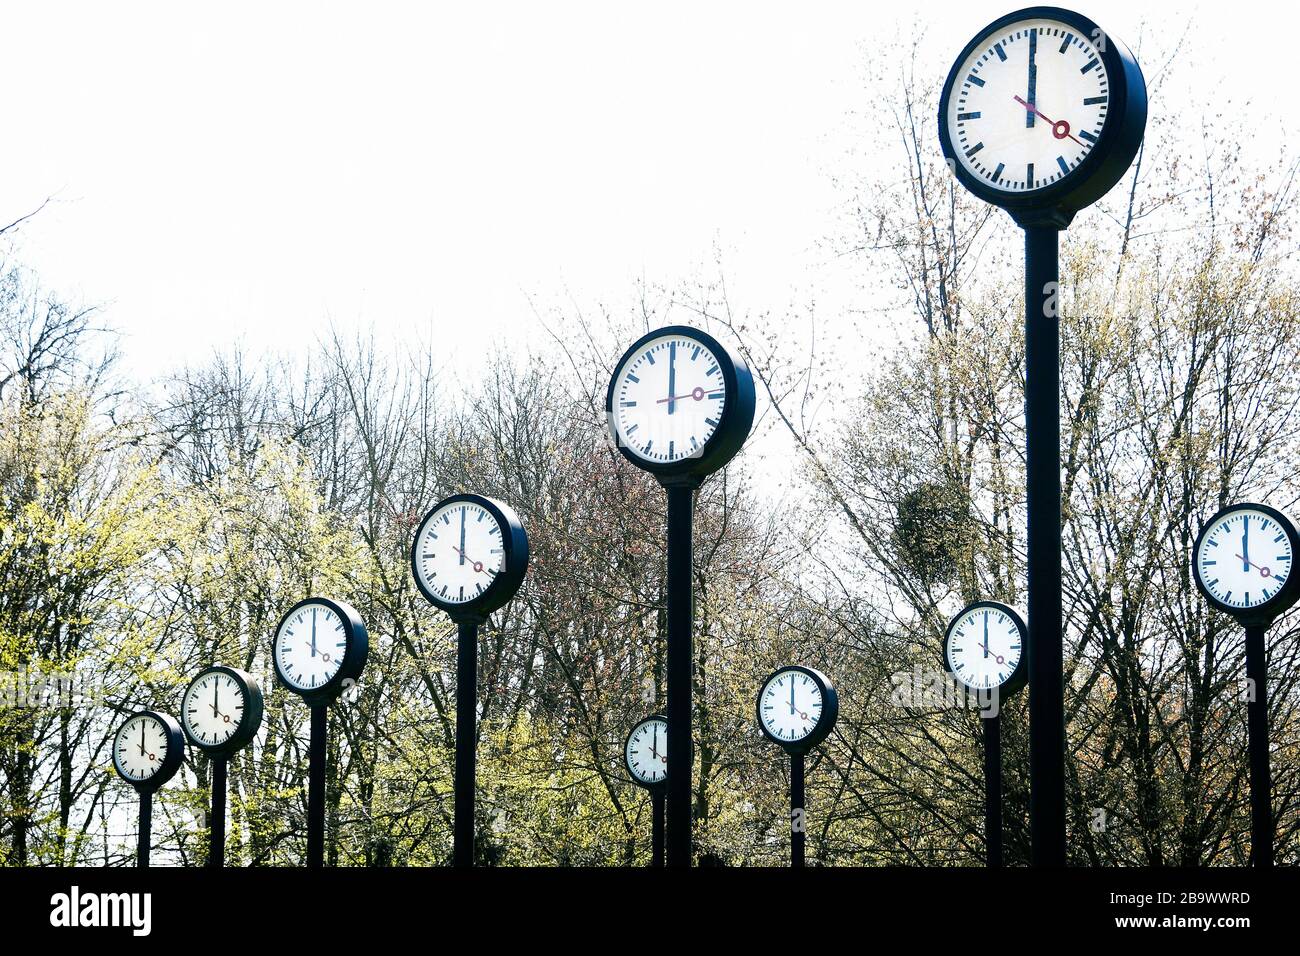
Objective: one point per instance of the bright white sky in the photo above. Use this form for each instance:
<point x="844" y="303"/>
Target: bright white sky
<point x="251" y="171"/>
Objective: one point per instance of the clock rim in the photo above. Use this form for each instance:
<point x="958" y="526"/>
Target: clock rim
<point x="644" y="784"/>
<point x="1286" y="596"/>
<point x="1104" y="165"/>
<point x="1019" y="677"/>
<point x="171" y="762"/>
<point x="737" y="409"/>
<point x="249" y="724"/>
<point x="514" y="560"/>
<point x="825" y="724"/>
<point x="355" y="653"/>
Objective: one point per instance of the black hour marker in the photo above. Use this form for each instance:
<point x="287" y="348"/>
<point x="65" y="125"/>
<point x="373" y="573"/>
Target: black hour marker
<point x="1002" y="54"/>
<point x="1095" y="101"/>
<point x="1029" y="176"/>
<point x="974" y="149"/>
<point x="997" y="173"/>
<point x="974" y="79"/>
<point x="967" y="116"/>
<point x="1060" y="161"/>
<point x="1084" y="134"/>
<point x="1088" y="66"/>
<point x="1065" y="44"/>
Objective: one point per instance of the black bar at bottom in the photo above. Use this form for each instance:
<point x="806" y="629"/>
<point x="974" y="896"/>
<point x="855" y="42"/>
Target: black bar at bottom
<point x="462" y="853"/>
<point x="1261" y="779"/>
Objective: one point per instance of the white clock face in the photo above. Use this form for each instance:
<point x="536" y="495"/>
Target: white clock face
<point x="1244" y="559"/>
<point x="1028" y="105"/>
<point x="668" y="399"/>
<point x="647" y="751"/>
<point x="140" y="748"/>
<point x="459" y="552"/>
<point x="310" y="646"/>
<point x="213" y="708"/>
<point x="984" y="648"/>
<point x="790" y="705"/>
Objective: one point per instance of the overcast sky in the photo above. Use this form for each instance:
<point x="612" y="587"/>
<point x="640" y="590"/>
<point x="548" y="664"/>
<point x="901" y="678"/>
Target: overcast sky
<point x="251" y="171"/>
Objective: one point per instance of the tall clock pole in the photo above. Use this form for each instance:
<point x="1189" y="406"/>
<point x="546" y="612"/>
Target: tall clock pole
<point x="1261" y="779"/>
<point x="993" y="790"/>
<point x="462" y="854"/>
<point x="217" y="817"/>
<point x="1042" y="114"/>
<point x="468" y="558"/>
<point x="317" y="755"/>
<point x="144" y="839"/>
<point x="1043" y="546"/>
<point x="681" y="598"/>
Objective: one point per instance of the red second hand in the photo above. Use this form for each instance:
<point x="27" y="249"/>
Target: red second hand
<point x="1060" y="128"/>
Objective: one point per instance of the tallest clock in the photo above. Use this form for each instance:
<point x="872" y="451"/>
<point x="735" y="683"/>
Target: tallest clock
<point x="1042" y="113"/>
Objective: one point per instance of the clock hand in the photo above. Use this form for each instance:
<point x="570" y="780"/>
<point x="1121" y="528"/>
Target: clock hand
<point x="462" y="536"/>
<point x="672" y="375"/>
<point x="143" y="752"/>
<point x="695" y="393"/>
<point x="792" y="695"/>
<point x="1264" y="572"/>
<point x="1245" y="540"/>
<point x="986" y="635"/>
<point x="1033" y="78"/>
<point x="478" y="565"/>
<point x="1060" y="128"/>
<point x="313" y="632"/>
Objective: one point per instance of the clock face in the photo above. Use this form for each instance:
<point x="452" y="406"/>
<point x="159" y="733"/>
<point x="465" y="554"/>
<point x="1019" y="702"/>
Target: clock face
<point x="1028" y="105"/>
<point x="985" y="646"/>
<point x="310" y="646"/>
<point x="213" y="708"/>
<point x="1244" y="558"/>
<point x="790" y="705"/>
<point x="668" y="399"/>
<point x="646" y="752"/>
<point x="459" y="552"/>
<point x="140" y="748"/>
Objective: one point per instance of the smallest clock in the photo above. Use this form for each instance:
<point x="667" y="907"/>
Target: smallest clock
<point x="320" y="648"/>
<point x="469" y="556"/>
<point x="984" y="648"/>
<point x="1242" y="561"/>
<point x="797" y="708"/>
<point x="645" y="752"/>
<point x="222" y="710"/>
<point x="148" y="750"/>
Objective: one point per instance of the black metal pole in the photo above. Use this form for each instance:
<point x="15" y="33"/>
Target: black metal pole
<point x="993" y="789"/>
<point x="317" y="755"/>
<point x="657" y="828"/>
<point x="681" y="505"/>
<point x="1043" y="503"/>
<point x="1261" y="781"/>
<point x="462" y="853"/>
<point x="798" y="815"/>
<point x="145" y="839"/>
<point x="217" y="821"/>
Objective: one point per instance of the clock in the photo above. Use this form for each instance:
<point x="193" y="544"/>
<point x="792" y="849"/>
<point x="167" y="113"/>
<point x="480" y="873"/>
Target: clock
<point x="645" y="752"/>
<point x="1042" y="113"/>
<point x="469" y="555"/>
<point x="148" y="750"/>
<point x="1242" y="562"/>
<point x="222" y="710"/>
<point x="679" y="404"/>
<point x="319" y="649"/>
<point x="984" y="648"/>
<point x="797" y="708"/>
